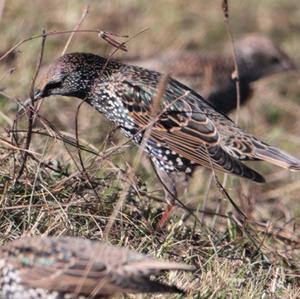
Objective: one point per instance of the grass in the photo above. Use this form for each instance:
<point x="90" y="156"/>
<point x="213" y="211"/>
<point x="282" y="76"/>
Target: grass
<point x="257" y="259"/>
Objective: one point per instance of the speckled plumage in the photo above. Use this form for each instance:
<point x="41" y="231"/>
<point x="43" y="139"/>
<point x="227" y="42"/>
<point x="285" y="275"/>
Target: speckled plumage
<point x="69" y="268"/>
<point x="211" y="73"/>
<point x="188" y="131"/>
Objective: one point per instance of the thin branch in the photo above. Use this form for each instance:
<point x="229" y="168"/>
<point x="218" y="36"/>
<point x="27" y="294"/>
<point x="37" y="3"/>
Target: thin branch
<point x="31" y="112"/>
<point x="235" y="74"/>
<point x="11" y="145"/>
<point x="53" y="33"/>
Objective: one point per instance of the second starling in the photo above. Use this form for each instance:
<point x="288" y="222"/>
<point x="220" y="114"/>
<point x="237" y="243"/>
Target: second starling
<point x="211" y="73"/>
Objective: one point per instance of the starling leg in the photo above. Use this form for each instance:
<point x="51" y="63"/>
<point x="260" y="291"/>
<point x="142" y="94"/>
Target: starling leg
<point x="169" y="184"/>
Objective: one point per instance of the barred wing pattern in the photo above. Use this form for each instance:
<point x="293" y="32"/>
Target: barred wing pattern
<point x="183" y="127"/>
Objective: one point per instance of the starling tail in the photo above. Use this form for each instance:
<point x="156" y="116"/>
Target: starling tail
<point x="278" y="157"/>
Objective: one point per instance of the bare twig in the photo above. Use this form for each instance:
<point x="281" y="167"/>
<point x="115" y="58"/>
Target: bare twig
<point x="32" y="110"/>
<point x="235" y="74"/>
<point x="107" y="36"/>
<point x="11" y="145"/>
<point x="51" y="33"/>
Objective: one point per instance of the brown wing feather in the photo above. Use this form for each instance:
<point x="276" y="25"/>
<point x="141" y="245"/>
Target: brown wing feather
<point x="191" y="134"/>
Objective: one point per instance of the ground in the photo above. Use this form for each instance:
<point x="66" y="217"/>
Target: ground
<point x="56" y="195"/>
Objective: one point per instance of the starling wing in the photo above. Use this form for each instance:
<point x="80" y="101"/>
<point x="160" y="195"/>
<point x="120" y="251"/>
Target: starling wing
<point x="191" y="127"/>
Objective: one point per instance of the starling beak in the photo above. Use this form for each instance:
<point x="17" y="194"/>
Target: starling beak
<point x="23" y="106"/>
<point x="188" y="131"/>
<point x="211" y="74"/>
<point x="38" y="94"/>
<point x="68" y="267"/>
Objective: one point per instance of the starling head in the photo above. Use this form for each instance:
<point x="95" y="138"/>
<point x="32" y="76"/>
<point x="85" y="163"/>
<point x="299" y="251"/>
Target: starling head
<point x="70" y="75"/>
<point x="260" y="56"/>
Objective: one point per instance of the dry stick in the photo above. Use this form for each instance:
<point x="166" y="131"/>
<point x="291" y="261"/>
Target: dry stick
<point x="84" y="14"/>
<point x="32" y="110"/>
<point x="51" y="33"/>
<point x="236" y="73"/>
<point x="236" y="78"/>
<point x="11" y="145"/>
<point x="107" y="36"/>
<point x="60" y="136"/>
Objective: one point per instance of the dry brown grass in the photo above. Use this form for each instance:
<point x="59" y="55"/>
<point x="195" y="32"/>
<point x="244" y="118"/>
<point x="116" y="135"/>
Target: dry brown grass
<point x="256" y="259"/>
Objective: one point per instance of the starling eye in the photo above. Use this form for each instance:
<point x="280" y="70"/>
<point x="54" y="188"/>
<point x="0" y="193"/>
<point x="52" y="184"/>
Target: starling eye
<point x="275" y="60"/>
<point x="53" y="85"/>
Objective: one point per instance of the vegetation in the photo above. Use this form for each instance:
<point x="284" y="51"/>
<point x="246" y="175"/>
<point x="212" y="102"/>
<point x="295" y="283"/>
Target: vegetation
<point x="79" y="177"/>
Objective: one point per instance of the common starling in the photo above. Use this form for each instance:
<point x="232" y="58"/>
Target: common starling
<point x="187" y="131"/>
<point x="210" y="74"/>
<point x="69" y="268"/>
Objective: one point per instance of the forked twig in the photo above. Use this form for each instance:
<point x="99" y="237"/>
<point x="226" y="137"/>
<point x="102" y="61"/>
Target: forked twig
<point x="107" y="36"/>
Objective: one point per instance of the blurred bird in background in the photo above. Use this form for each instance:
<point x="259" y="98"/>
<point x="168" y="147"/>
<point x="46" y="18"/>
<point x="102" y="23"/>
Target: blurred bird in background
<point x="210" y="74"/>
<point x="65" y="267"/>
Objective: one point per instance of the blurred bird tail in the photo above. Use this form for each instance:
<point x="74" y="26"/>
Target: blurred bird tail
<point x="277" y="157"/>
